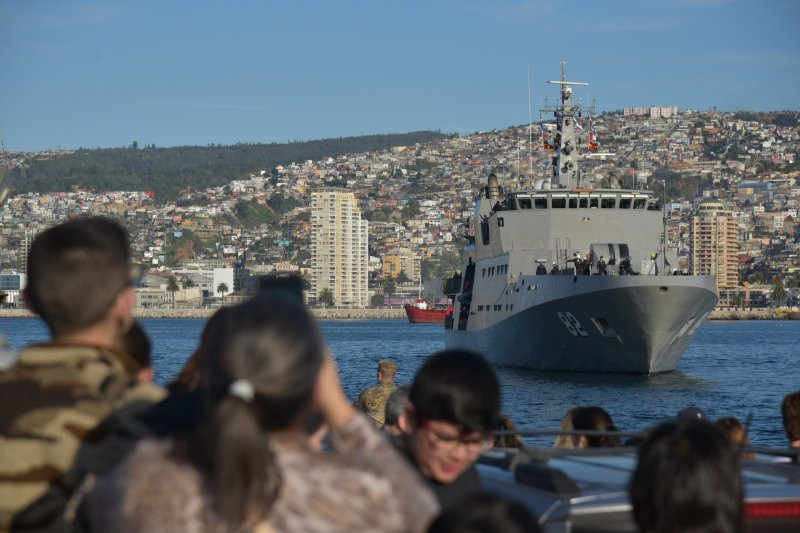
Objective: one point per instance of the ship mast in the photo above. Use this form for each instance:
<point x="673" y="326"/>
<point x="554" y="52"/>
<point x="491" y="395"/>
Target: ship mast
<point x="566" y="173"/>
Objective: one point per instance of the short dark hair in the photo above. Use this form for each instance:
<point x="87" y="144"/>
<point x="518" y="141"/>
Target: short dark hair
<point x="687" y="479"/>
<point x="790" y="411"/>
<point x="75" y="270"/>
<point x="396" y="404"/>
<point x="485" y="512"/>
<point x="596" y="419"/>
<point x="459" y="387"/>
<point x="135" y="344"/>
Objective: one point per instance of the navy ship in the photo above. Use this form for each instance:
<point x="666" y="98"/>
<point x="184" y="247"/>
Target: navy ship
<point x="567" y="276"/>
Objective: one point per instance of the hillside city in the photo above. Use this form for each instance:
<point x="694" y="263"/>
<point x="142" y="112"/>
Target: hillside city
<point x="208" y="247"/>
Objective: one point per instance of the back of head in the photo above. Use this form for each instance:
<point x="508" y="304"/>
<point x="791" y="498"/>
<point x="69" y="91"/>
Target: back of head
<point x="273" y="343"/>
<point x="259" y="371"/>
<point x="135" y="344"/>
<point x="565" y="441"/>
<point x="388" y="370"/>
<point x="75" y="271"/>
<point x="485" y="512"/>
<point x="734" y="429"/>
<point x="687" y="479"/>
<point x="595" y="418"/>
<point x="459" y="387"/>
<point x="790" y="411"/>
<point x="396" y="404"/>
<point x="507" y="441"/>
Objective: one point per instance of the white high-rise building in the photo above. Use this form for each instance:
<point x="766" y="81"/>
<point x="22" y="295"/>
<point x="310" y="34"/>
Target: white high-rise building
<point x="339" y="255"/>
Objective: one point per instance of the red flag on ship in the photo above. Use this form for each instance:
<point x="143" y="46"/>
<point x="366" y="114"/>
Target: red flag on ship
<point x="592" y="137"/>
<point x="547" y="145"/>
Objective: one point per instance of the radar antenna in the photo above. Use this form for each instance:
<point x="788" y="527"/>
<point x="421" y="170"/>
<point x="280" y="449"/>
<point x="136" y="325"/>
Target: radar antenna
<point x="566" y="172"/>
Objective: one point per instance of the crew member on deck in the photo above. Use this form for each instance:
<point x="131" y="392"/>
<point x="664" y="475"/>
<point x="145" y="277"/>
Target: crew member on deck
<point x="601" y="266"/>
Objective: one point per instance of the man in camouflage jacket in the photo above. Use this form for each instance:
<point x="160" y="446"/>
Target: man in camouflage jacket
<point x="61" y="399"/>
<point x="372" y="400"/>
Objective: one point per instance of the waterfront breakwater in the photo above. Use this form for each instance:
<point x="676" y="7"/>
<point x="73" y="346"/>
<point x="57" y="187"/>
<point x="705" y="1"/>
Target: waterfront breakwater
<point x="397" y="313"/>
<point x="322" y="314"/>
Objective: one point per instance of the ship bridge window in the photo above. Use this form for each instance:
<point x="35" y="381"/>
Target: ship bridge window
<point x="524" y="203"/>
<point x="573" y="203"/>
<point x="558" y="203"/>
<point x="640" y="203"/>
<point x="584" y="203"/>
<point x="594" y="202"/>
<point x="540" y="203"/>
<point x="608" y="203"/>
<point x="625" y="203"/>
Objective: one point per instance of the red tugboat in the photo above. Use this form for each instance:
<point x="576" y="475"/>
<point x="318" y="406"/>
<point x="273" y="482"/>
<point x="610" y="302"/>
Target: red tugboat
<point x="420" y="313"/>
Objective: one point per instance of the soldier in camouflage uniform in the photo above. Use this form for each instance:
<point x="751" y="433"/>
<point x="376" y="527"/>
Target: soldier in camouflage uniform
<point x="62" y="398"/>
<point x="372" y="400"/>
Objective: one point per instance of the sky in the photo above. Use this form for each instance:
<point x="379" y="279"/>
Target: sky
<point x="107" y="73"/>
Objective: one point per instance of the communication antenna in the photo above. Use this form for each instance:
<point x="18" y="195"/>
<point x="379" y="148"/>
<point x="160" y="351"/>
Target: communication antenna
<point x="4" y="168"/>
<point x="530" y="127"/>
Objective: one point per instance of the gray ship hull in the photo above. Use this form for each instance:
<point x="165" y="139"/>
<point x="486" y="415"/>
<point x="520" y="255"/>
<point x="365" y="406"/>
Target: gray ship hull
<point x="630" y="324"/>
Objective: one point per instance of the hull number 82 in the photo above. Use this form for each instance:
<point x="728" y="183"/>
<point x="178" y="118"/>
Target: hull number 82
<point x="572" y="324"/>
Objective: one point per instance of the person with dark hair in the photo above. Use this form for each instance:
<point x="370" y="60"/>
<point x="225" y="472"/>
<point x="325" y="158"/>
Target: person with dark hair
<point x="249" y="465"/>
<point x="485" y="512"/>
<point x="565" y="440"/>
<point x="181" y="411"/>
<point x="395" y="421"/>
<point x="736" y="432"/>
<point x="687" y="479"/>
<point x="136" y="344"/>
<point x="790" y="413"/>
<point x="62" y="399"/>
<point x="506" y="441"/>
<point x="593" y="418"/>
<point x="453" y="406"/>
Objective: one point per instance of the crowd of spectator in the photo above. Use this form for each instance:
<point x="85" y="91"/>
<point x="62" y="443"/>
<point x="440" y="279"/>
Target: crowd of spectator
<point x="256" y="434"/>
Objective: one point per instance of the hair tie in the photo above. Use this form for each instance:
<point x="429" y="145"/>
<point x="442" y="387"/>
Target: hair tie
<point x="242" y="389"/>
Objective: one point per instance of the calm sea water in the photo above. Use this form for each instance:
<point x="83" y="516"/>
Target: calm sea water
<point x="739" y="369"/>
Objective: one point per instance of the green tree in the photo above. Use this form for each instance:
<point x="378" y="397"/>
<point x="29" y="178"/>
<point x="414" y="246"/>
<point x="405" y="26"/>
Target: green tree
<point x="376" y="300"/>
<point x="402" y="277"/>
<point x="173" y="287"/>
<point x="778" y="291"/>
<point x="326" y="297"/>
<point x="738" y="300"/>
<point x="757" y="278"/>
<point x="222" y="288"/>
<point x="187" y="283"/>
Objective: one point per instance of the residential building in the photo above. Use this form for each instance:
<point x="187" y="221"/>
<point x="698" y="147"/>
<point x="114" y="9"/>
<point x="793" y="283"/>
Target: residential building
<point x="715" y="245"/>
<point x="400" y="260"/>
<point x="339" y="255"/>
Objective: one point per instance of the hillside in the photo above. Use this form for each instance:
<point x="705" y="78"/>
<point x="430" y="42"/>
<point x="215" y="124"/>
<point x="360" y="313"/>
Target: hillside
<point x="168" y="170"/>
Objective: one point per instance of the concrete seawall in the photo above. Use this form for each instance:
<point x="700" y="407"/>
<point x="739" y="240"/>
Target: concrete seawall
<point x="322" y="314"/>
<point x="367" y="314"/>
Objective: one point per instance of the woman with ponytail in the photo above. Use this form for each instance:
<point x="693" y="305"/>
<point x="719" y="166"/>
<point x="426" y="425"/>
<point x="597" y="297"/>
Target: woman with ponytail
<point x="249" y="466"/>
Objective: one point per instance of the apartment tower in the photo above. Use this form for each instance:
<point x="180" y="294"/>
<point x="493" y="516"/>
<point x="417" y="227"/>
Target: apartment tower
<point x="339" y="256"/>
<point x="715" y="244"/>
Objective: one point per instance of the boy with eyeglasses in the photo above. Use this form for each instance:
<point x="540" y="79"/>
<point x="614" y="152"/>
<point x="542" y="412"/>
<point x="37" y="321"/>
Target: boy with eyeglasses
<point x="453" y="406"/>
<point x="62" y="398"/>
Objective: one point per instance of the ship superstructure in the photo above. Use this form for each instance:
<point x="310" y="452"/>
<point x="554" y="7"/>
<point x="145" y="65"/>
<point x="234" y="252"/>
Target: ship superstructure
<point x="608" y="296"/>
